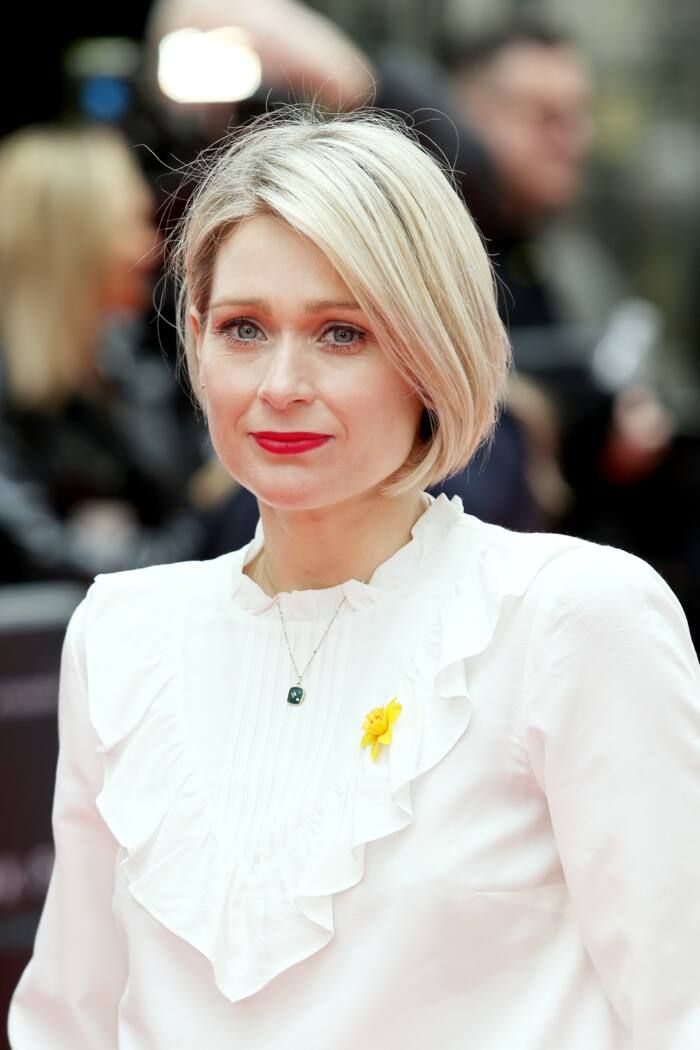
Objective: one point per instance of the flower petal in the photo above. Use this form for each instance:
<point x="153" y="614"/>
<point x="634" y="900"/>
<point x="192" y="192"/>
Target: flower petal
<point x="393" y="711"/>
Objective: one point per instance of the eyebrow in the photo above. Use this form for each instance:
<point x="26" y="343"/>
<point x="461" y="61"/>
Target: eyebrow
<point x="312" y="306"/>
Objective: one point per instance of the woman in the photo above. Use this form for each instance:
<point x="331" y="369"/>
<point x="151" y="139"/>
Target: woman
<point x="93" y="464"/>
<point x="388" y="776"/>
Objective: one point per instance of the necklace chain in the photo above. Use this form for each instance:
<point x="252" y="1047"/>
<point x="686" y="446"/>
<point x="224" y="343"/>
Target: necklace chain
<point x="298" y="673"/>
<point x="296" y="694"/>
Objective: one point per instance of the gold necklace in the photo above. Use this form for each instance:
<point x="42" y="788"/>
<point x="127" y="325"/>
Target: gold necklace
<point x="297" y="693"/>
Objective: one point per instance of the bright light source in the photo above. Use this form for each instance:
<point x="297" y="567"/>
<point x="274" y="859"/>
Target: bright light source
<point x="217" y="66"/>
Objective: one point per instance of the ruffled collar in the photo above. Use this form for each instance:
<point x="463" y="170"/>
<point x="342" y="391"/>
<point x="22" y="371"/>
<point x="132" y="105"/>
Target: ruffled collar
<point x="431" y="528"/>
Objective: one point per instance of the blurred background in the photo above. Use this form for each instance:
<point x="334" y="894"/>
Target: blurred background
<point x="574" y="135"/>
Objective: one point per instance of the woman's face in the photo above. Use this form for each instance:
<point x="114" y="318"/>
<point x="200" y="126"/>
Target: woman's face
<point x="303" y="407"/>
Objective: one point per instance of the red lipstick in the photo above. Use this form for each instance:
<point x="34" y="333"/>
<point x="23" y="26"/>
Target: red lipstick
<point x="289" y="442"/>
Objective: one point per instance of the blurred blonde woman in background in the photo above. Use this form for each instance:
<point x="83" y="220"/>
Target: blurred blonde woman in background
<point x="387" y="777"/>
<point x="77" y="243"/>
<point x="90" y="472"/>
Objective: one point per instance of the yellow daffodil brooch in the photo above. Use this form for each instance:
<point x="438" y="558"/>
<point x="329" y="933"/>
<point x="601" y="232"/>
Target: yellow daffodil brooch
<point x="377" y="726"/>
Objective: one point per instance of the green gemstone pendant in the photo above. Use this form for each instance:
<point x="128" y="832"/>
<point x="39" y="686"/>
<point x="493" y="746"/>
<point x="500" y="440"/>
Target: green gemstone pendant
<point x="295" y="695"/>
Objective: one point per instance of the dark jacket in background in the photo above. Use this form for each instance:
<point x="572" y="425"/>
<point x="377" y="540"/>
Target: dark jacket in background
<point x="124" y="445"/>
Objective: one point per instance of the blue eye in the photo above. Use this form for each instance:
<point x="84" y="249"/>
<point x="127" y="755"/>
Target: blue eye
<point x="241" y="330"/>
<point x="343" y="335"/>
<point x="245" y="330"/>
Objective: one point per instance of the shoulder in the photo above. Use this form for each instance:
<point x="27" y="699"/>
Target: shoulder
<point x="127" y="637"/>
<point x="163" y="581"/>
<point x="587" y="579"/>
<point x="147" y="599"/>
<point x="566" y="580"/>
<point x="589" y="598"/>
<point x="153" y="577"/>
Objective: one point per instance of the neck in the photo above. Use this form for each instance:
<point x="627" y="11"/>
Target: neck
<point x="314" y="549"/>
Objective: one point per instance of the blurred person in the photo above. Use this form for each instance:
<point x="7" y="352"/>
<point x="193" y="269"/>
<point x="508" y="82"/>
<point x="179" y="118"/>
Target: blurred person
<point x="525" y="90"/>
<point x="93" y="467"/>
<point x="387" y="775"/>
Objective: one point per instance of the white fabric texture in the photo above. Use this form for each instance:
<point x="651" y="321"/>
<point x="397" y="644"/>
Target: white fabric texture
<point x="518" y="870"/>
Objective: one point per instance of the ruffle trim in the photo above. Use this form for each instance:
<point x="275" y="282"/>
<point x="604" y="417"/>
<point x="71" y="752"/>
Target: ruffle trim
<point x="254" y="919"/>
<point x="437" y="521"/>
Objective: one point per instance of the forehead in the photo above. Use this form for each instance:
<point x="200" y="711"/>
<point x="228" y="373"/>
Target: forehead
<point x="264" y="253"/>
<point x="541" y="70"/>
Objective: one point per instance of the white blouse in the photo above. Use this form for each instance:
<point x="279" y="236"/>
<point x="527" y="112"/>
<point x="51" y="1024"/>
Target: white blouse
<point x="519" y="869"/>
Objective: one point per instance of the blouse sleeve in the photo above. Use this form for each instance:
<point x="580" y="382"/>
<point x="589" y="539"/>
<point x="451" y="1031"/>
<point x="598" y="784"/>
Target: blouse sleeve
<point x="612" y="715"/>
<point x="69" y="994"/>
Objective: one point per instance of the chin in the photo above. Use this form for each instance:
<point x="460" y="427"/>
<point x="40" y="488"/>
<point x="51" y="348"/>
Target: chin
<point x="312" y="495"/>
<point x="292" y="494"/>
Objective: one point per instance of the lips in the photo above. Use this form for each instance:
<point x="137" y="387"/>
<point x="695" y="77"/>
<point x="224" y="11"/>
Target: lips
<point x="289" y="443"/>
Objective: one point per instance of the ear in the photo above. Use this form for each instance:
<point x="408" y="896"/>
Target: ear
<point x="197" y="324"/>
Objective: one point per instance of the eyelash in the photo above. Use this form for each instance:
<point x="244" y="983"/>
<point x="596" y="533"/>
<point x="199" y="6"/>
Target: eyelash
<point x="228" y="327"/>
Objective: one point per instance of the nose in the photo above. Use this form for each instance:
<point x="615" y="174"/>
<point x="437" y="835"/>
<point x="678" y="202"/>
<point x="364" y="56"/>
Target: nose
<point x="286" y="380"/>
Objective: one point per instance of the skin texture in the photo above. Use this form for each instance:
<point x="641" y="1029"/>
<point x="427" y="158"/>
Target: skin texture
<point x="531" y="105"/>
<point x="284" y="362"/>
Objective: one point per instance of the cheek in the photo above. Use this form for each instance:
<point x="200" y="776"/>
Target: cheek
<point x="224" y="395"/>
<point x="389" y="417"/>
<point x="223" y="416"/>
<point x="222" y="391"/>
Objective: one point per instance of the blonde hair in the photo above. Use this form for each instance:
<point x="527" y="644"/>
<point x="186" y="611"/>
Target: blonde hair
<point x="59" y="204"/>
<point x="385" y="215"/>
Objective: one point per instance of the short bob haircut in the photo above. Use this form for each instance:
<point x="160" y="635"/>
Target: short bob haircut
<point x="385" y="215"/>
